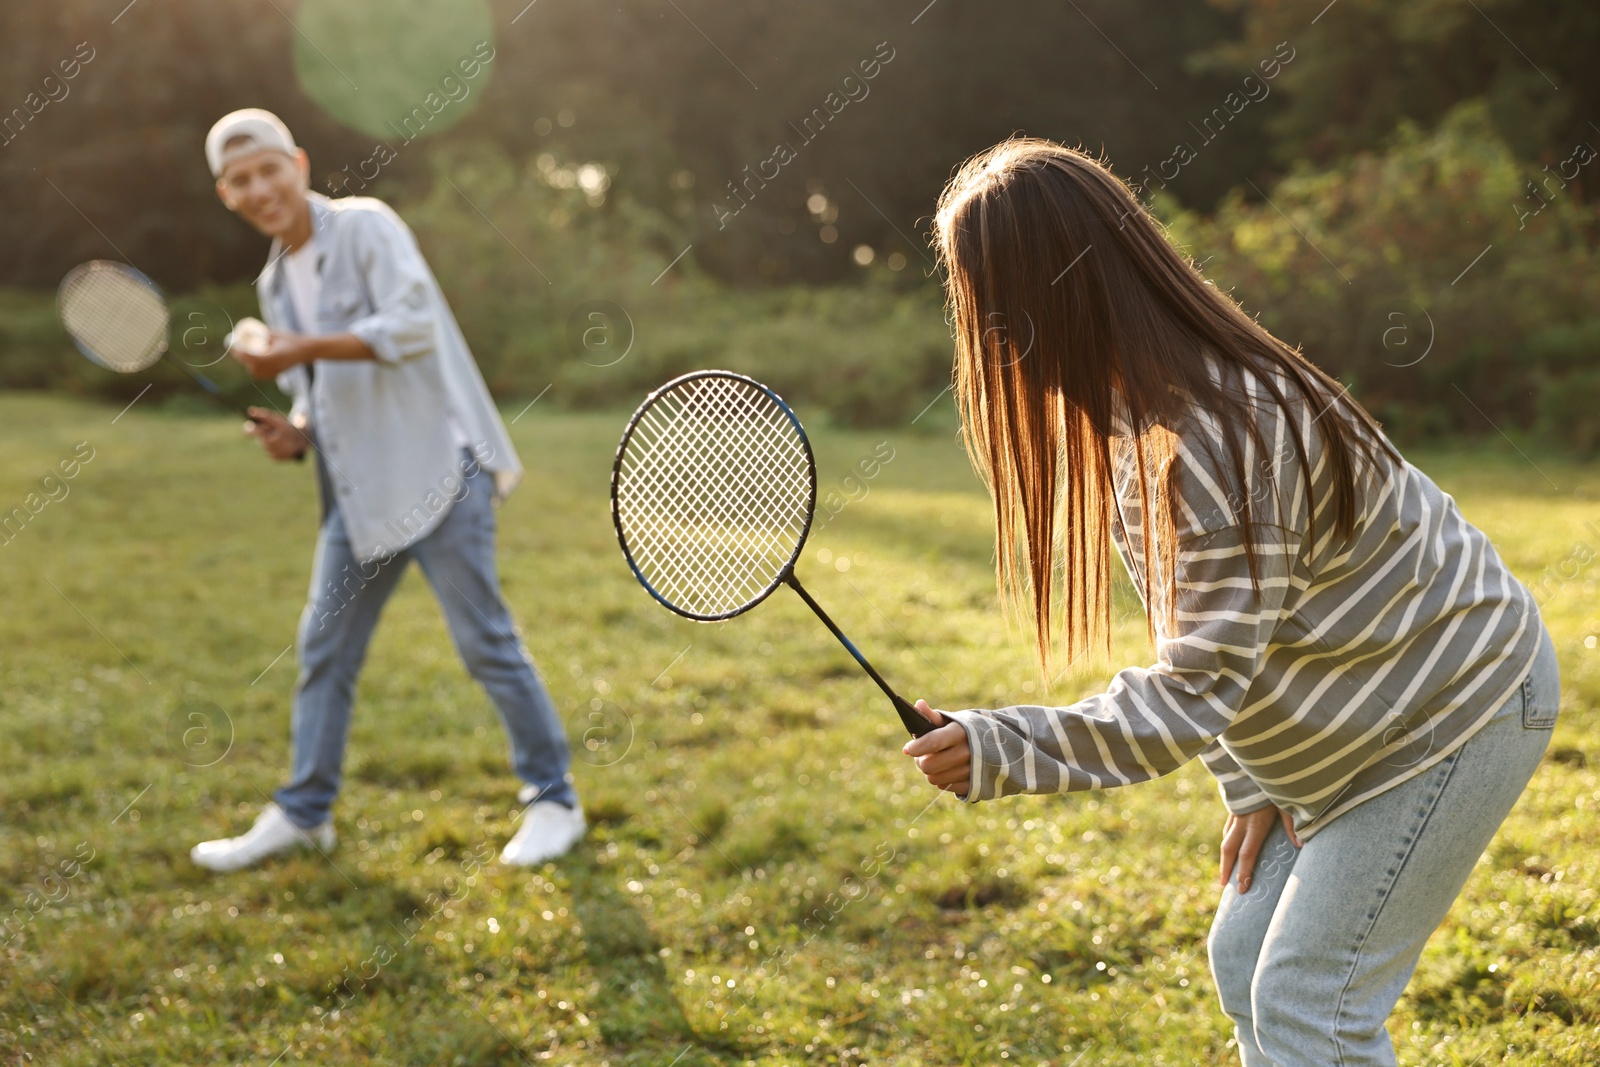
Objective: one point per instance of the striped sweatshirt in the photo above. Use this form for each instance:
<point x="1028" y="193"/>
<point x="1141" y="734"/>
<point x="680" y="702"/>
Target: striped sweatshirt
<point x="1356" y="664"/>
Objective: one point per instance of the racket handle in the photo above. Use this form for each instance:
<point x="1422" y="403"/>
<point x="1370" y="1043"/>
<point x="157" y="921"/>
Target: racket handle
<point x="909" y="716"/>
<point x="211" y="387"/>
<point x="912" y="718"/>
<point x="222" y="398"/>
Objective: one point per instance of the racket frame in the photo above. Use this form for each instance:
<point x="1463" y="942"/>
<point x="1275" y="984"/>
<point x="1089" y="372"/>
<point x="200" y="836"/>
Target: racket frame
<point x="133" y="274"/>
<point x="811" y="502"/>
<point x="909" y="717"/>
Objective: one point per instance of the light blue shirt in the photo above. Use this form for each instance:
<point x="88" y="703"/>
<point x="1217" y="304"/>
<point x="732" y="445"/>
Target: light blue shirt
<point x="383" y="427"/>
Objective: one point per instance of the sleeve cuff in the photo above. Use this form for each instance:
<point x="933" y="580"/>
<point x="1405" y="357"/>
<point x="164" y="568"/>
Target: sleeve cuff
<point x="1243" y="797"/>
<point x="976" y="776"/>
<point x="376" y="338"/>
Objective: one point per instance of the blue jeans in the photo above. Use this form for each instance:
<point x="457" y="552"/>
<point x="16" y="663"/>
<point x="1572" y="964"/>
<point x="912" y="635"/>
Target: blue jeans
<point x="457" y="558"/>
<point x="1309" y="963"/>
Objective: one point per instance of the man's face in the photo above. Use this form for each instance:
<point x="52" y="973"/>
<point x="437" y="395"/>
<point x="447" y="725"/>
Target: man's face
<point x="267" y="189"/>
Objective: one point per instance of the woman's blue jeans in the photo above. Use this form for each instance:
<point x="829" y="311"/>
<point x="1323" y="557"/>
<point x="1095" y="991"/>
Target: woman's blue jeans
<point x="1310" y="962"/>
<point x="457" y="558"/>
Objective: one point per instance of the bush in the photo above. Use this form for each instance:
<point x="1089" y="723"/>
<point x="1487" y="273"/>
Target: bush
<point x="1416" y="274"/>
<point x="1412" y="275"/>
<point x="36" y="353"/>
<point x="570" y="290"/>
<point x="31" y="342"/>
<point x="559" y="286"/>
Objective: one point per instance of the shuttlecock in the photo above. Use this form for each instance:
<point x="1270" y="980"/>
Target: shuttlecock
<point x="250" y="336"/>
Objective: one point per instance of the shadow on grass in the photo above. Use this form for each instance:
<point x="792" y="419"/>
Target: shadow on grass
<point x="638" y="1003"/>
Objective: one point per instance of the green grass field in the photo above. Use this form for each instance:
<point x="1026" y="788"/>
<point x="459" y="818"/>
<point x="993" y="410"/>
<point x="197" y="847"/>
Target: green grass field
<point x="767" y="880"/>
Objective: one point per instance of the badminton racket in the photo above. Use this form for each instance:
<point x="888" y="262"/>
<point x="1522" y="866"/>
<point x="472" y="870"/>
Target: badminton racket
<point x="712" y="493"/>
<point x="119" y="320"/>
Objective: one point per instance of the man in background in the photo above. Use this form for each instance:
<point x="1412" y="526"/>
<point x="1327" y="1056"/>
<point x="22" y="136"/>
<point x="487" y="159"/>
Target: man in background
<point x="411" y="457"/>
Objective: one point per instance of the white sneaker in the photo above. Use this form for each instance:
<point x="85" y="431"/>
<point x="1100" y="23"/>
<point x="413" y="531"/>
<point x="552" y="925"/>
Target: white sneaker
<point x="272" y="833"/>
<point x="548" y="830"/>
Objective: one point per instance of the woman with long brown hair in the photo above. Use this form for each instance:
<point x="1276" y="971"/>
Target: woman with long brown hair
<point x="1349" y="656"/>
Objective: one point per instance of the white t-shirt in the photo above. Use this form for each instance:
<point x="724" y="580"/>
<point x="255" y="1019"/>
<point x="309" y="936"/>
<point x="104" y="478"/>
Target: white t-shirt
<point x="305" y="284"/>
<point x="305" y="289"/>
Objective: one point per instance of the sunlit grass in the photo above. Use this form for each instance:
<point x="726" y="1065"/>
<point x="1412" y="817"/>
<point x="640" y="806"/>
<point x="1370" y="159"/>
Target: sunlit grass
<point x="766" y="881"/>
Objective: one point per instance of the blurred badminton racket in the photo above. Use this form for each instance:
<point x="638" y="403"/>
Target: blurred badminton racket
<point x="118" y="319"/>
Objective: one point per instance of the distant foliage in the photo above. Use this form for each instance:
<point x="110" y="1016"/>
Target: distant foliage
<point x="1454" y="288"/>
<point x="1366" y="65"/>
<point x="557" y="284"/>
<point x="563" y="291"/>
<point x="35" y="352"/>
<point x="116" y="159"/>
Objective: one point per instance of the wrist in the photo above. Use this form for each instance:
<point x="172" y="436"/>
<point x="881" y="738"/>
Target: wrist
<point x="333" y="346"/>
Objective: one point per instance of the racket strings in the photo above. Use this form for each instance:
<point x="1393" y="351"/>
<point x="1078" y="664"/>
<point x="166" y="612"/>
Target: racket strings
<point x="698" y="544"/>
<point x="714" y="494"/>
<point x="116" y="318"/>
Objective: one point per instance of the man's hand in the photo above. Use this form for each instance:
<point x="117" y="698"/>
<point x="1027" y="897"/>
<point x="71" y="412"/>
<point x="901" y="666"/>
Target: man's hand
<point x="942" y="755"/>
<point x="284" y="350"/>
<point x="1242" y="838"/>
<point x="278" y="436"/>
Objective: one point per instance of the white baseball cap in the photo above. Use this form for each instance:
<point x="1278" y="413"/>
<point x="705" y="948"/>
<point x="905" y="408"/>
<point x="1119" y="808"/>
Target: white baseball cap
<point x="261" y="129"/>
